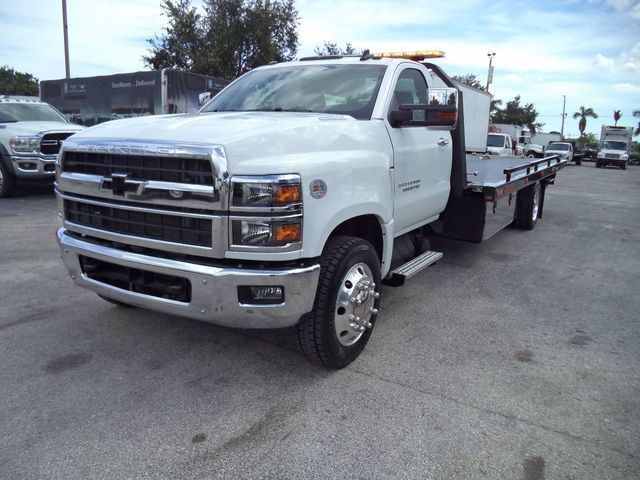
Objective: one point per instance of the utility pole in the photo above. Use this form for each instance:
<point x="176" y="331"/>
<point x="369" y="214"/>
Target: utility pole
<point x="66" y="38"/>
<point x="564" y="104"/>
<point x="490" y="72"/>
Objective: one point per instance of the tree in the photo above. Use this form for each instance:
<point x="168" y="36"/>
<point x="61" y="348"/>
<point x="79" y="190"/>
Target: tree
<point x="469" y="79"/>
<point x="582" y="115"/>
<point x="636" y="113"/>
<point x="17" y="83"/>
<point x="230" y="38"/>
<point x="587" y="139"/>
<point x="494" y="107"/>
<point x="617" y="115"/>
<point x="333" y="49"/>
<point x="515" y="114"/>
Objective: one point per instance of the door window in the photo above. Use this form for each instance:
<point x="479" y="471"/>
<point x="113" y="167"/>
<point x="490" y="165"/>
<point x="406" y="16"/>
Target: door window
<point x="411" y="88"/>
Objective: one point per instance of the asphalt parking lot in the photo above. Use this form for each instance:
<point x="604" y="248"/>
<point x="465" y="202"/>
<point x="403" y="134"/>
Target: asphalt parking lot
<point x="518" y="358"/>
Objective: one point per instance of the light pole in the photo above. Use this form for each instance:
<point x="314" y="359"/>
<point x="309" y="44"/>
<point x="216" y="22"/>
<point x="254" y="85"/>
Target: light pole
<point x="564" y="104"/>
<point x="66" y="37"/>
<point x="490" y="72"/>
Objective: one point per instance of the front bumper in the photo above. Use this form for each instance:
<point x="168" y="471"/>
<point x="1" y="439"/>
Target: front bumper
<point x="34" y="166"/>
<point x="214" y="289"/>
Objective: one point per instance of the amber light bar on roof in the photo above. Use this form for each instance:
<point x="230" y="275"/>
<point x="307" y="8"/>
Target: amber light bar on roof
<point x="412" y="55"/>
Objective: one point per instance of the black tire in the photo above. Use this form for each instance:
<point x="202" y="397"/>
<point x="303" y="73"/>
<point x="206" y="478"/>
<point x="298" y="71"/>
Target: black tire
<point x="7" y="182"/>
<point x="579" y="162"/>
<point x="624" y="167"/>
<point x="527" y="206"/>
<point x="317" y="331"/>
<point x="598" y="165"/>
<point x="117" y="303"/>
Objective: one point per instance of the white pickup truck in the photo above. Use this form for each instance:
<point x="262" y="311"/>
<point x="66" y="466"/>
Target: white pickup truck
<point x="288" y="199"/>
<point x="31" y="133"/>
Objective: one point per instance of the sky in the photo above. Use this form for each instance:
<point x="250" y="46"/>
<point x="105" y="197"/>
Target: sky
<point x="586" y="50"/>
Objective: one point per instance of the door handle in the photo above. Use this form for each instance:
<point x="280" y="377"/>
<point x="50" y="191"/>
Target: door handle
<point x="443" y="142"/>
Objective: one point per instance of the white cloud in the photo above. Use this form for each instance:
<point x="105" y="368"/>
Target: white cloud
<point x="514" y="78"/>
<point x="619" y="4"/>
<point x="626" y="88"/>
<point x="635" y="11"/>
<point x="631" y="61"/>
<point x="603" y="62"/>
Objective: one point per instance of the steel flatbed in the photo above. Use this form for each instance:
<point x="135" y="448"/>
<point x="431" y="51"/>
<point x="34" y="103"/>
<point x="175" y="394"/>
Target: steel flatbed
<point x="494" y="185"/>
<point x="496" y="176"/>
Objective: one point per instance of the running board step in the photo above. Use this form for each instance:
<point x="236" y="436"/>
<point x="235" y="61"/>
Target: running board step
<point x="397" y="277"/>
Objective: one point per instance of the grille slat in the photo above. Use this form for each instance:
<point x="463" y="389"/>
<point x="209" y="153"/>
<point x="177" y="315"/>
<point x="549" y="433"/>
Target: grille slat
<point x="141" y="167"/>
<point x="156" y="226"/>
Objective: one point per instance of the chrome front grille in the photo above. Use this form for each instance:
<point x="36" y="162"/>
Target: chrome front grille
<point x="163" y="169"/>
<point x="613" y="156"/>
<point x="167" y="227"/>
<point x="157" y="196"/>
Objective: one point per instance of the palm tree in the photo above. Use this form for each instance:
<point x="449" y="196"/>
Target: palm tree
<point x="617" y="115"/>
<point x="582" y="115"/>
<point x="636" y="113"/>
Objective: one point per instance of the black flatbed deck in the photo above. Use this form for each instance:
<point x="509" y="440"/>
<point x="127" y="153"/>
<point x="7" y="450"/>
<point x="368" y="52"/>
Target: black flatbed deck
<point x="495" y="176"/>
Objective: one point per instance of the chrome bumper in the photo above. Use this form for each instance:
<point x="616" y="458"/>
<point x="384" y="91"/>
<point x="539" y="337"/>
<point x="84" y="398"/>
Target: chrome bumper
<point x="214" y="290"/>
<point x="32" y="167"/>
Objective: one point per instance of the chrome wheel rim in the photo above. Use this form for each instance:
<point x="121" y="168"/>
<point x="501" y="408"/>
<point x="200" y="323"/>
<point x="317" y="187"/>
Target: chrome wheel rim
<point x="536" y="197"/>
<point x="355" y="305"/>
<point x="1" y="180"/>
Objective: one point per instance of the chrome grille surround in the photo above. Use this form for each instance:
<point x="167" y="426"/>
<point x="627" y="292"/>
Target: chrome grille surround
<point x="131" y="196"/>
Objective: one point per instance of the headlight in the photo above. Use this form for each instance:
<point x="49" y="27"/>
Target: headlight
<point x="624" y="156"/>
<point x="266" y="211"/>
<point x="266" y="233"/>
<point x="268" y="191"/>
<point x="25" y="144"/>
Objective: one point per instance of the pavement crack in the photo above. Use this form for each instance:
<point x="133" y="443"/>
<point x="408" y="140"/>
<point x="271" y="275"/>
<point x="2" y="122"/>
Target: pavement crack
<point x="494" y="412"/>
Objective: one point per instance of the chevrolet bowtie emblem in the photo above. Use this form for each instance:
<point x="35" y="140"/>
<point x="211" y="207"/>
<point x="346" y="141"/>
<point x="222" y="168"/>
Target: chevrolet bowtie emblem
<point x="120" y="184"/>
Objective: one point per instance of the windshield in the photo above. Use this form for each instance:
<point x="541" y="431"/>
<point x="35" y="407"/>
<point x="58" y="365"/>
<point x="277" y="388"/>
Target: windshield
<point x="29" y="112"/>
<point x="495" y="140"/>
<point x="559" y="147"/>
<point x="342" y="89"/>
<point x="612" y="145"/>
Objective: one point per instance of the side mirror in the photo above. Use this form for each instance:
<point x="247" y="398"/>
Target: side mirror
<point x="398" y="117"/>
<point x="442" y="110"/>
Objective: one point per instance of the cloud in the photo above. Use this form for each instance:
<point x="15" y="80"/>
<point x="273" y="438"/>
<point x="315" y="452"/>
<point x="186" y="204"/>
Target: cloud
<point x="514" y="78"/>
<point x="631" y="61"/>
<point x="619" y="4"/>
<point x="626" y="88"/>
<point x="603" y="62"/>
<point x="635" y="11"/>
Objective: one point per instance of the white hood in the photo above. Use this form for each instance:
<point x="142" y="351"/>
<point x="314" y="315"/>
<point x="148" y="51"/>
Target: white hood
<point x="34" y="128"/>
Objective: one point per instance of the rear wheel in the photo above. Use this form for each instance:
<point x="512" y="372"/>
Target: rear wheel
<point x="7" y="182"/>
<point x="345" y="308"/>
<point x="598" y="165"/>
<point x="528" y="206"/>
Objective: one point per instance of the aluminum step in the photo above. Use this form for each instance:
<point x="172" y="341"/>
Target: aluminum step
<point x="398" y="276"/>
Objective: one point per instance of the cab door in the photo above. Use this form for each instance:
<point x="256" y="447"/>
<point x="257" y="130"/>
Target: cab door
<point x="422" y="157"/>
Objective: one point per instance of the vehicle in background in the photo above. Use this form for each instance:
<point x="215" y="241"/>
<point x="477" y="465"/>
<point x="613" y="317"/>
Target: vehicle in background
<point x="565" y="150"/>
<point x="526" y="144"/>
<point x="92" y="100"/>
<point x="31" y="133"/>
<point x="500" y="144"/>
<point x="590" y="152"/>
<point x="615" y="143"/>
<point x="290" y="197"/>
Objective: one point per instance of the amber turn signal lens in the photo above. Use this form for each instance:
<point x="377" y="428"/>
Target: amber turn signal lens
<point x="447" y="116"/>
<point x="287" y="232"/>
<point x="286" y="194"/>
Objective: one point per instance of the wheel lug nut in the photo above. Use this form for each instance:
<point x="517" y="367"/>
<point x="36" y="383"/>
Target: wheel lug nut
<point x="368" y="325"/>
<point x="376" y="295"/>
<point x="352" y="317"/>
<point x="359" y="286"/>
<point x="352" y="300"/>
<point x="373" y="285"/>
<point x="374" y="311"/>
<point x="359" y="302"/>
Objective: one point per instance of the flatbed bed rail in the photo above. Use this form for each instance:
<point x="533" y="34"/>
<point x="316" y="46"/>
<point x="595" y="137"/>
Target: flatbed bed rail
<point x="493" y="182"/>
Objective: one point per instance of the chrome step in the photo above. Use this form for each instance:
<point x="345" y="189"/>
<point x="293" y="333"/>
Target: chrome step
<point x="397" y="277"/>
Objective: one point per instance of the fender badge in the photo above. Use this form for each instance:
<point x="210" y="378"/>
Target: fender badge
<point x="318" y="188"/>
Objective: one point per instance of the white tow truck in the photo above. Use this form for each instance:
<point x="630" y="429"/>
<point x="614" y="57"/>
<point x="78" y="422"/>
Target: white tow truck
<point x="290" y="198"/>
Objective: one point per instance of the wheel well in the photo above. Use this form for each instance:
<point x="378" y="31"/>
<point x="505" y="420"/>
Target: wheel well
<point x="366" y="227"/>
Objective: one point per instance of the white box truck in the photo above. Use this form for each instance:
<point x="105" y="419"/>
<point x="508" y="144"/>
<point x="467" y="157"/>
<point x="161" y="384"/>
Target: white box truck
<point x="615" y="143"/>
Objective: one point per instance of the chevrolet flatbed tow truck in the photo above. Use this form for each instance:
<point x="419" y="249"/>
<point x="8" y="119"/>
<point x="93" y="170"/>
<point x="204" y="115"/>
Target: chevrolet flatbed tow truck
<point x="290" y="197"/>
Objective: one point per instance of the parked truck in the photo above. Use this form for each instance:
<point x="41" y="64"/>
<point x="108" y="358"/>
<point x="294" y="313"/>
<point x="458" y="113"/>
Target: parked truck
<point x="31" y="133"/>
<point x="92" y="100"/>
<point x="290" y="198"/>
<point x="615" y="143"/>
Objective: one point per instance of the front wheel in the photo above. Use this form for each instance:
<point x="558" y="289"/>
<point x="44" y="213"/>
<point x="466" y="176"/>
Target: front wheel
<point x="7" y="182"/>
<point x="345" y="308"/>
